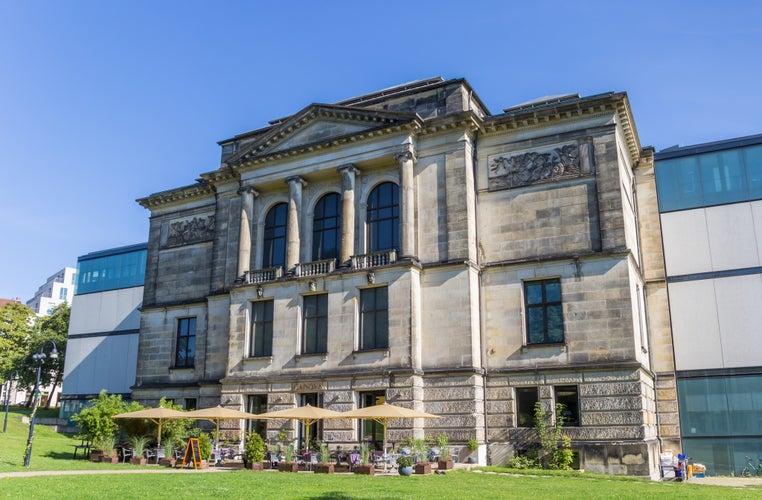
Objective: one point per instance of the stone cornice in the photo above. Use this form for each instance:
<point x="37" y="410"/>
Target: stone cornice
<point x="547" y="114"/>
<point x="466" y="120"/>
<point x="187" y="193"/>
<point x="329" y="144"/>
<point x="224" y="174"/>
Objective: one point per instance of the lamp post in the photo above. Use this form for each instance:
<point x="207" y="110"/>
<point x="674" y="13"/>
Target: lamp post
<point x="8" y="398"/>
<point x="38" y="358"/>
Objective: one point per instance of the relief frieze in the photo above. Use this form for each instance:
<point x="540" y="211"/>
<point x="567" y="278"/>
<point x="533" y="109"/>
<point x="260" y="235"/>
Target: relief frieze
<point x="533" y="167"/>
<point x="189" y="231"/>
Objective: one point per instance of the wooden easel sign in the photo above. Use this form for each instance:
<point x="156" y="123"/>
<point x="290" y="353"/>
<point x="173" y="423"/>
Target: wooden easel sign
<point x="192" y="454"/>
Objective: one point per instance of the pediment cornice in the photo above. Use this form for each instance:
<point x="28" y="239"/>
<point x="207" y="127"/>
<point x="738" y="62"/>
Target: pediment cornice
<point x="373" y="123"/>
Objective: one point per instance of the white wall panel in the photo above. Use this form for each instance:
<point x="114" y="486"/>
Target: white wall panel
<point x="739" y="307"/>
<point x="732" y="239"/>
<point x="695" y="325"/>
<point x="686" y="243"/>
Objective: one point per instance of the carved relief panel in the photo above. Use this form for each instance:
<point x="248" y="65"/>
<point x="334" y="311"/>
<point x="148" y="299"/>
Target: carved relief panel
<point x="187" y="231"/>
<point x="506" y="171"/>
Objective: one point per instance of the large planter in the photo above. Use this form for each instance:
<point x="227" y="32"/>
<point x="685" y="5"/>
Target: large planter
<point x="167" y="462"/>
<point x="323" y="468"/>
<point x="96" y="456"/>
<point x="113" y="458"/>
<point x="406" y="471"/>
<point x="255" y="465"/>
<point x="445" y="464"/>
<point x="366" y="469"/>
<point x="288" y="467"/>
<point x="423" y="468"/>
<point x="139" y="460"/>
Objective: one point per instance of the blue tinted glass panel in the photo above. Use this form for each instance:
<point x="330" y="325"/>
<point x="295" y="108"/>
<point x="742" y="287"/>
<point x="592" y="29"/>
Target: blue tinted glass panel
<point x="708" y="179"/>
<point x="111" y="272"/>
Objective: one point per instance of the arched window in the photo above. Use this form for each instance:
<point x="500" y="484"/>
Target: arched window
<point x="326" y="227"/>
<point x="274" y="248"/>
<point x="384" y="217"/>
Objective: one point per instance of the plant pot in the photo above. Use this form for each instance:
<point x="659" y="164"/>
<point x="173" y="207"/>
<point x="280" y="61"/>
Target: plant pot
<point x="323" y="468"/>
<point x="255" y="465"/>
<point x="406" y="471"/>
<point x="423" y="468"/>
<point x="167" y="462"/>
<point x="141" y="460"/>
<point x="445" y="464"/>
<point x="96" y="456"/>
<point x="471" y="460"/>
<point x="288" y="467"/>
<point x="366" y="469"/>
<point x="110" y="459"/>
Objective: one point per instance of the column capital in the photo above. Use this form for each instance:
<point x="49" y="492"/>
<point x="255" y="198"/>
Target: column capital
<point x="296" y="179"/>
<point x="405" y="156"/>
<point x="349" y="168"/>
<point x="248" y="189"/>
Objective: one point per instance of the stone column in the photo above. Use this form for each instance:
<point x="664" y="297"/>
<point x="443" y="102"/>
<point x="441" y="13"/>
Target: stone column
<point x="244" y="241"/>
<point x="295" y="185"/>
<point x="407" y="204"/>
<point x="348" y="173"/>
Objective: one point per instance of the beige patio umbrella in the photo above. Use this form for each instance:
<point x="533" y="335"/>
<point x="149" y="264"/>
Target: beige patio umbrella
<point x="217" y="414"/>
<point x="306" y="414"/>
<point x="385" y="412"/>
<point x="155" y="415"/>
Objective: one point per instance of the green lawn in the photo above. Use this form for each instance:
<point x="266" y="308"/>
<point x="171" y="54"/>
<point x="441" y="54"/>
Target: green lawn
<point x="53" y="452"/>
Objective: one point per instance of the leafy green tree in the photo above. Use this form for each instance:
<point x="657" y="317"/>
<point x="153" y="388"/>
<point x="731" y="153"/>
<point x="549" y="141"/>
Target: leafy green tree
<point x="54" y="327"/>
<point x="96" y="422"/>
<point x="16" y="327"/>
<point x="555" y="448"/>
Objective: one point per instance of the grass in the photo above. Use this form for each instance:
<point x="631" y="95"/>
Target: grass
<point x="52" y="451"/>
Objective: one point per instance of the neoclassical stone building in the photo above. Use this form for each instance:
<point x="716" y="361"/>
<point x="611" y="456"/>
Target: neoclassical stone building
<point x="409" y="246"/>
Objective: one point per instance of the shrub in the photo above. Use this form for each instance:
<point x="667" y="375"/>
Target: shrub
<point x="443" y="443"/>
<point x="364" y="454"/>
<point x="555" y="448"/>
<point x="205" y="446"/>
<point x="96" y="423"/>
<point x="325" y="454"/>
<point x="254" y="448"/>
<point x="405" y="461"/>
<point x="522" y="462"/>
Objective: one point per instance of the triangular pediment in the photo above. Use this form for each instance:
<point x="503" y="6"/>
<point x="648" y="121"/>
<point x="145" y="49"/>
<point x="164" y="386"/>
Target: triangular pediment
<point x="319" y="124"/>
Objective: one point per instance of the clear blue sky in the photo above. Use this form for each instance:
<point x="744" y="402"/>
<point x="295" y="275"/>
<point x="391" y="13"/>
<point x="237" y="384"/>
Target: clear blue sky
<point x="102" y="102"/>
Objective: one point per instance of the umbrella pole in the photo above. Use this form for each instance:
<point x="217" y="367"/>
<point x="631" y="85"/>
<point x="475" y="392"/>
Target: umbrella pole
<point x="159" y="444"/>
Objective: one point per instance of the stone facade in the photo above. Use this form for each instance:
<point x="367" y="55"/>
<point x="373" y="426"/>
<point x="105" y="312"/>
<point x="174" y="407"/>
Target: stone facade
<point x="486" y="205"/>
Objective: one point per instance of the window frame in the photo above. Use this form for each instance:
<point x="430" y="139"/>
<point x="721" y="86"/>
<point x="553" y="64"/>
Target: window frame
<point x="259" y="328"/>
<point x="316" y="317"/>
<point x="373" y="315"/>
<point x="571" y="409"/>
<point x="325" y="246"/>
<point x="185" y="342"/>
<point x="544" y="305"/>
<point x="377" y="218"/>
<point x="272" y="235"/>
<point x="521" y="405"/>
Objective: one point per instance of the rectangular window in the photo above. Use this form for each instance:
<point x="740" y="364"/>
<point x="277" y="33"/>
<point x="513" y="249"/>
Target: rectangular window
<point x="62" y="294"/>
<point x="190" y="404"/>
<point x="186" y="343"/>
<point x="568" y="395"/>
<point x="315" y="340"/>
<point x="261" y="343"/>
<point x="526" y="397"/>
<point x="544" y="312"/>
<point x="374" y="318"/>
<point x="256" y="404"/>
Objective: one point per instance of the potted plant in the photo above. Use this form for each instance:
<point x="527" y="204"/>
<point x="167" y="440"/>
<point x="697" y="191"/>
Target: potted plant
<point x="364" y="467"/>
<point x="324" y="465"/>
<point x="169" y="459"/>
<point x="288" y="465"/>
<point x="254" y="451"/>
<point x="418" y="450"/>
<point x="445" y="459"/>
<point x="405" y="465"/>
<point x="205" y="448"/>
<point x="107" y="446"/>
<point x="139" y="444"/>
<point x="473" y="445"/>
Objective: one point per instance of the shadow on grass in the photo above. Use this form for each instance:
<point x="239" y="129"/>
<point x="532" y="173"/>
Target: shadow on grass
<point x="66" y="455"/>
<point x="338" y="495"/>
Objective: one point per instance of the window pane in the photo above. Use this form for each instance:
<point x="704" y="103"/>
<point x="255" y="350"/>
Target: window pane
<point x="526" y="397"/>
<point x="534" y="293"/>
<point x="274" y="244"/>
<point x="326" y="228"/>
<point x="383" y="217"/>
<point x="568" y="396"/>
<point x="536" y="325"/>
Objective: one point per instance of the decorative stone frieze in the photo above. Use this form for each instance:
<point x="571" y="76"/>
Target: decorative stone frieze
<point x="534" y="167"/>
<point x="189" y="230"/>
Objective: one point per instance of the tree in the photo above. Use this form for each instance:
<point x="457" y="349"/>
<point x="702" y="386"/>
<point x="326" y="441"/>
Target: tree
<point x="96" y="422"/>
<point x="16" y="327"/>
<point x="53" y="327"/>
<point x="555" y="447"/>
